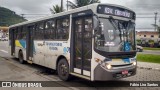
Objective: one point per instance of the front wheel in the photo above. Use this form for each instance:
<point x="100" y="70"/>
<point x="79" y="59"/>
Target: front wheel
<point x="63" y="70"/>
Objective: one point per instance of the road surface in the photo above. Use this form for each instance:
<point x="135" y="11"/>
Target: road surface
<point x="12" y="70"/>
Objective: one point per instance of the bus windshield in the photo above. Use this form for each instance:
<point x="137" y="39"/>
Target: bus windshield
<point x="115" y="36"/>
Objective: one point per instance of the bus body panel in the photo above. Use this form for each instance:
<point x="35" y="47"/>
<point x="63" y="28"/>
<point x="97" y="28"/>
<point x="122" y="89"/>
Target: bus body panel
<point x="38" y="56"/>
<point x="20" y="45"/>
<point x="55" y="49"/>
<point x="100" y="73"/>
<point x="46" y="53"/>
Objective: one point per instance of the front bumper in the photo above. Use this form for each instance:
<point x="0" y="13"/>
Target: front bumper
<point x="101" y="74"/>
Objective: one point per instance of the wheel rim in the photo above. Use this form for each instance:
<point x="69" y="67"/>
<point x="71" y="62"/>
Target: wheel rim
<point x="63" y="70"/>
<point x="20" y="57"/>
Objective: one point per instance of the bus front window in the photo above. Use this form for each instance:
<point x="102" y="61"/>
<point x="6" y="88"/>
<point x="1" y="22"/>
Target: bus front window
<point x="115" y="36"/>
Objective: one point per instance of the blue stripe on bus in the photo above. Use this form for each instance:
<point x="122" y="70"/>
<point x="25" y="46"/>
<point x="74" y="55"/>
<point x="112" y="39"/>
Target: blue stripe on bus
<point x="23" y="43"/>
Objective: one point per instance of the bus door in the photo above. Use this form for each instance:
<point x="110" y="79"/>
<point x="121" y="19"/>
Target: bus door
<point x="12" y="40"/>
<point x="82" y="45"/>
<point x="29" y="43"/>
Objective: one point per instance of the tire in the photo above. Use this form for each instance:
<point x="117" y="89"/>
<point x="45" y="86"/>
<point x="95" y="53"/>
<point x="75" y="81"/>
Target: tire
<point x="20" y="57"/>
<point x="63" y="70"/>
<point x="138" y="50"/>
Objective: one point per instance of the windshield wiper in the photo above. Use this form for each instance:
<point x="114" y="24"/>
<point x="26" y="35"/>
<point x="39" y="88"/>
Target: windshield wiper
<point x="116" y="27"/>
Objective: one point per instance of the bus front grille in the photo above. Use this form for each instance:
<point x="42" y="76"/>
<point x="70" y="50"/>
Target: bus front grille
<point x="121" y="65"/>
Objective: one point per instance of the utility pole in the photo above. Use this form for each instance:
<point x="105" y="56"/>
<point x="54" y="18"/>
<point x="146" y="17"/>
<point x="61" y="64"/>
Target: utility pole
<point x="155" y="21"/>
<point x="67" y="5"/>
<point x="61" y="5"/>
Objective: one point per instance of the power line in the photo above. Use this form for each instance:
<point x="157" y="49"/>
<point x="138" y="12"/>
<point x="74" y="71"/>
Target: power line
<point x="36" y="14"/>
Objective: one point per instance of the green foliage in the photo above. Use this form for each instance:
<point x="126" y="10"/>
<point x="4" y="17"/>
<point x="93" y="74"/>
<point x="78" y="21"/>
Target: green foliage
<point x="148" y="58"/>
<point x="56" y="9"/>
<point x="138" y="41"/>
<point x="148" y="48"/>
<point x="151" y="41"/>
<point x="8" y="17"/>
<point x="80" y="3"/>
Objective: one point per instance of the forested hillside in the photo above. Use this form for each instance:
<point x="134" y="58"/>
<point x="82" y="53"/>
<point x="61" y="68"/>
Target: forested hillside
<point x="8" y="17"/>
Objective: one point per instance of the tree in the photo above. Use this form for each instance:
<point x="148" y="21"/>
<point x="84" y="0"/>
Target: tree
<point x="56" y="9"/>
<point x="80" y="3"/>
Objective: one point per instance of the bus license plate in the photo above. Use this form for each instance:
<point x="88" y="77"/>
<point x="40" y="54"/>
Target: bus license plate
<point x="125" y="72"/>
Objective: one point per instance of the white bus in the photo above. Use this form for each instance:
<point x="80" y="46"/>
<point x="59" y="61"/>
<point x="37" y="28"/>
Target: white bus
<point x="94" y="42"/>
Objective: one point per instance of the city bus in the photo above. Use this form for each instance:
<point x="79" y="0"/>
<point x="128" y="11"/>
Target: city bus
<point x="94" y="42"/>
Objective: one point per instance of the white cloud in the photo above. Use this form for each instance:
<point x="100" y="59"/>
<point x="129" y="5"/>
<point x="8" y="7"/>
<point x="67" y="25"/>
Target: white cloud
<point x="43" y="6"/>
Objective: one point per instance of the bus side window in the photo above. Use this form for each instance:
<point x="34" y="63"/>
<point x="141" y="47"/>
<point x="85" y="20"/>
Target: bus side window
<point x="53" y="30"/>
<point x="16" y="33"/>
<point x="47" y="30"/>
<point x="24" y="33"/>
<point x="50" y="30"/>
<point x="59" y="29"/>
<point x="39" y="32"/>
<point x="65" y="24"/>
<point x="19" y="33"/>
<point x="62" y="28"/>
<point x="36" y="32"/>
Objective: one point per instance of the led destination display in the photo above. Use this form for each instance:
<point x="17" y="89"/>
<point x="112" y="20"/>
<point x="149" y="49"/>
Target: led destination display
<point x="116" y="11"/>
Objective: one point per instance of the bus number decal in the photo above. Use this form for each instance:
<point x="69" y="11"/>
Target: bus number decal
<point x="53" y="48"/>
<point x="53" y="44"/>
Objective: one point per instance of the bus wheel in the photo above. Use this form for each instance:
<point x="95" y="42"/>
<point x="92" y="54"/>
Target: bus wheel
<point x="20" y="56"/>
<point x="63" y="70"/>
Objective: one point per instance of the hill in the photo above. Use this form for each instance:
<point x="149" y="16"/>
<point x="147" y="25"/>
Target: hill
<point x="8" y="17"/>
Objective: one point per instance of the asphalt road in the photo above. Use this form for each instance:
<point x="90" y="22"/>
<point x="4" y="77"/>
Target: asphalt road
<point x="12" y="70"/>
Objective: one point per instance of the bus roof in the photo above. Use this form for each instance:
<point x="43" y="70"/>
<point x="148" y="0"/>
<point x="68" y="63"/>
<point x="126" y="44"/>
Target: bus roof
<point x="93" y="7"/>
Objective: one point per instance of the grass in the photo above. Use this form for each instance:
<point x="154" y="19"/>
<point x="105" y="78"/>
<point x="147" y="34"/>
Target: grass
<point x="148" y="48"/>
<point x="148" y="58"/>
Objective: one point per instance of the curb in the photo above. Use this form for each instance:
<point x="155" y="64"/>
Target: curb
<point x="157" y="69"/>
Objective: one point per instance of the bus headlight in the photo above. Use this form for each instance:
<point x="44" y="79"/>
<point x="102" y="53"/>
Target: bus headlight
<point x="134" y="63"/>
<point x="108" y="66"/>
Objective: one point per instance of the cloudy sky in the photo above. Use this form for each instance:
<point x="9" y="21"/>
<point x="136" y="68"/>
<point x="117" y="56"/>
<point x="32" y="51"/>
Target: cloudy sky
<point x="145" y="9"/>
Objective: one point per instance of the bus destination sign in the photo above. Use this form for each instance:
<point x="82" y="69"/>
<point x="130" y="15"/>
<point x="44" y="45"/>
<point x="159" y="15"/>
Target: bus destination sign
<point x="111" y="10"/>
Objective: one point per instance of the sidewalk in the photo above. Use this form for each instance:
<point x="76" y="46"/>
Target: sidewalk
<point x="152" y="51"/>
<point x="147" y="65"/>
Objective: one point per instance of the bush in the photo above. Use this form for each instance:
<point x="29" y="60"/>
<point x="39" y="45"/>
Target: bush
<point x="151" y="42"/>
<point x="138" y="41"/>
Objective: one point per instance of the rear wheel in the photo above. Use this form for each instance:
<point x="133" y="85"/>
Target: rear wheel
<point x="20" y="56"/>
<point x="63" y="70"/>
